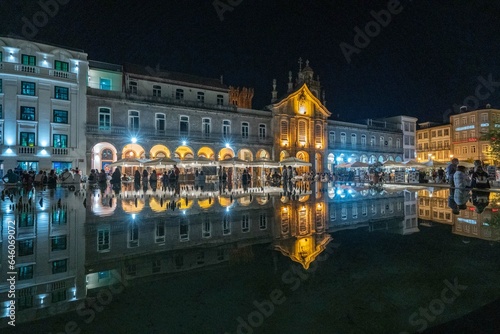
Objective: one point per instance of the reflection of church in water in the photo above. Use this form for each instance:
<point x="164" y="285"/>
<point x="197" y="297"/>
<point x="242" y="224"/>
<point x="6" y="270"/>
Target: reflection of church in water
<point x="69" y="249"/>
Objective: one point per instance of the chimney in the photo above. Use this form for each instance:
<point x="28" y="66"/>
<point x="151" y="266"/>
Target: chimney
<point x="488" y="106"/>
<point x="463" y="109"/>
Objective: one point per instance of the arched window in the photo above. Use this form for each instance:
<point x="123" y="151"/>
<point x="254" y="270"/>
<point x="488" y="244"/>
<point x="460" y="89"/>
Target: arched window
<point x="106" y="154"/>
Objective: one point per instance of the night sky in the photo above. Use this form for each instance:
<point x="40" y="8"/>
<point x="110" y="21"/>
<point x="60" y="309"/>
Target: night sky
<point x="427" y="58"/>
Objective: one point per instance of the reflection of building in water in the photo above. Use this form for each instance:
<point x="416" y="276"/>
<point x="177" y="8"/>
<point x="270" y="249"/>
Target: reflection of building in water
<point x="49" y="253"/>
<point x="137" y="242"/>
<point x="433" y="206"/>
<point x="481" y="225"/>
<point x="300" y="231"/>
<point x="376" y="209"/>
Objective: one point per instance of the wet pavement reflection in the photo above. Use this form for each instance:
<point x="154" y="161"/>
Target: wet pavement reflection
<point x="341" y="259"/>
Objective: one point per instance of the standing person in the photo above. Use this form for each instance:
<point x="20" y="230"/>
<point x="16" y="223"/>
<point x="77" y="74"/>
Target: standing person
<point x="92" y="178"/>
<point x="52" y="180"/>
<point x="177" y="173"/>
<point x="284" y="179"/>
<point x="116" y="179"/>
<point x="450" y="171"/>
<point x="230" y="179"/>
<point x="202" y="180"/>
<point x="480" y="178"/>
<point x="153" y="180"/>
<point x="440" y="174"/>
<point x="38" y="179"/>
<point x="77" y="179"/>
<point x="245" y="180"/>
<point x="196" y="180"/>
<point x="137" y="180"/>
<point x="460" y="178"/>
<point x="171" y="180"/>
<point x="290" y="176"/>
<point x="66" y="177"/>
<point x="224" y="179"/>
<point x="145" y="178"/>
<point x="164" y="181"/>
<point x="102" y="180"/>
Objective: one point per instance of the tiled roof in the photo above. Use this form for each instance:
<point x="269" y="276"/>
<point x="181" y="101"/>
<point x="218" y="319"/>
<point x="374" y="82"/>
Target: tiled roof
<point x="173" y="76"/>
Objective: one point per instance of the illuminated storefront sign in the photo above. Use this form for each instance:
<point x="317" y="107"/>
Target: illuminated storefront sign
<point x="467" y="127"/>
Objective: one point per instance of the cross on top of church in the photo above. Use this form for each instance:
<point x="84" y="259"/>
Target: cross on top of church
<point x="300" y="64"/>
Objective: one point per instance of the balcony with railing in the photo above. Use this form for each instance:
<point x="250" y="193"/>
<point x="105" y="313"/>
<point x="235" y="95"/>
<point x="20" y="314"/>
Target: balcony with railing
<point x="60" y="151"/>
<point x="34" y="150"/>
<point x="14" y="68"/>
<point x="365" y="147"/>
<point x="175" y="135"/>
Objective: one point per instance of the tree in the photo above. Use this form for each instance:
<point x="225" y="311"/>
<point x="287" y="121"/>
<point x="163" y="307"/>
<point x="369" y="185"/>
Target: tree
<point x="493" y="136"/>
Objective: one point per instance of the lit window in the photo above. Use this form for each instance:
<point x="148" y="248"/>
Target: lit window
<point x="60" y="141"/>
<point x="61" y="66"/>
<point x="104" y="84"/>
<point x="28" y="60"/>
<point x="28" y="88"/>
<point x="27" y="139"/>
<point x="61" y="93"/>
<point x="60" y="116"/>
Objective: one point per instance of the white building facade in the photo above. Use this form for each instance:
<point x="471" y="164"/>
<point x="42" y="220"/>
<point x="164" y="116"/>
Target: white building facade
<point x="42" y="106"/>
